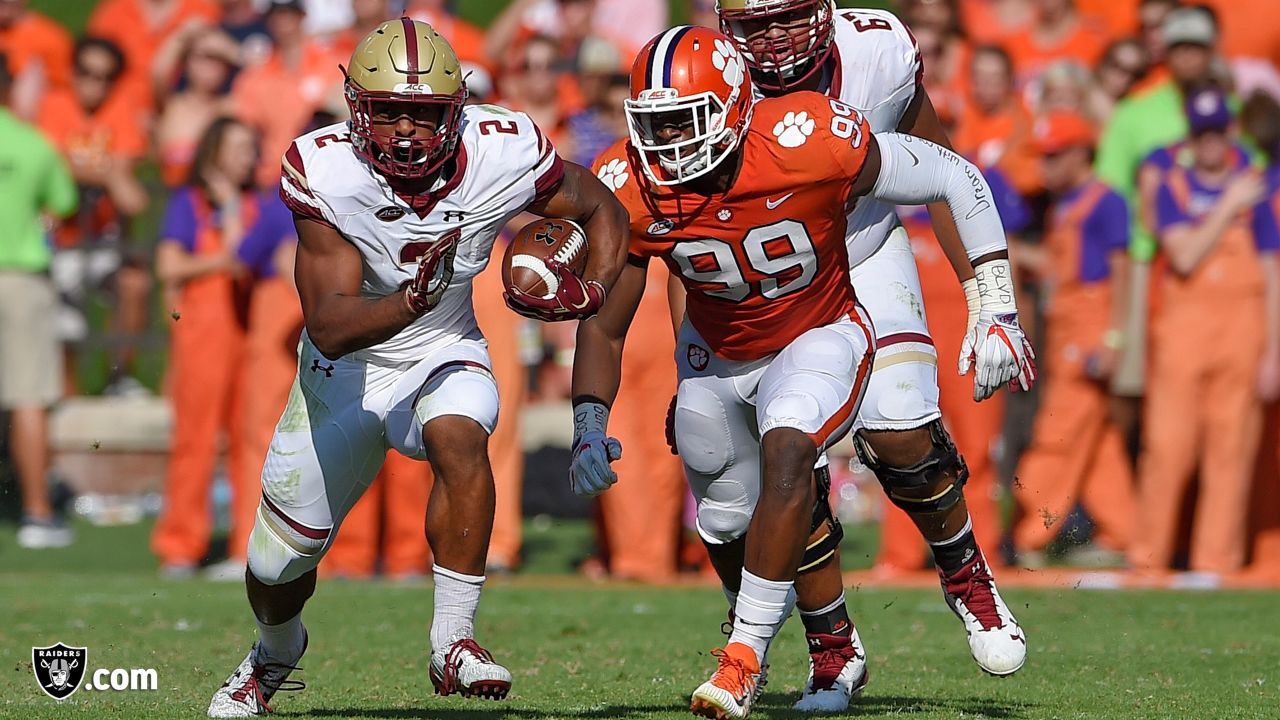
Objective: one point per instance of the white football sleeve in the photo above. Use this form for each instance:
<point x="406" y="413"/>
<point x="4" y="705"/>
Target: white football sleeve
<point x="914" y="171"/>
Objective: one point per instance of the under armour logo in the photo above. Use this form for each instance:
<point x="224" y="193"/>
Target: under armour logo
<point x="317" y="367"/>
<point x="454" y="216"/>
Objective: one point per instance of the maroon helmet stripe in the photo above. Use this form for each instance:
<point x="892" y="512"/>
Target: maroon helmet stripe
<point x="411" y="48"/>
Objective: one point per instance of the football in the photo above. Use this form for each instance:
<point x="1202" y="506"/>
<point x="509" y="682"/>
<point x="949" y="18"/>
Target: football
<point x="524" y="266"/>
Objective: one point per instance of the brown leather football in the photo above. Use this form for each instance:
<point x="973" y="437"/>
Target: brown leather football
<point x="524" y="266"/>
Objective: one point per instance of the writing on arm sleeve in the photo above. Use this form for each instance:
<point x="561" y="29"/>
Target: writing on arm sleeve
<point x="179" y="223"/>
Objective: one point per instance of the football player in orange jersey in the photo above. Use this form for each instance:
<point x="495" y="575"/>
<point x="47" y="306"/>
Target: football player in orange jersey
<point x="868" y="59"/>
<point x="746" y="203"/>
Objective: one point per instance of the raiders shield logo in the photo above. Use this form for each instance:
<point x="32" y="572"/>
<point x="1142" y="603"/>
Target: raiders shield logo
<point x="698" y="357"/>
<point x="390" y="213"/>
<point x="59" y="669"/>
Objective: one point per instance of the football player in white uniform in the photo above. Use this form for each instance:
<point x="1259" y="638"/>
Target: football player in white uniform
<point x="397" y="211"/>
<point x="869" y="60"/>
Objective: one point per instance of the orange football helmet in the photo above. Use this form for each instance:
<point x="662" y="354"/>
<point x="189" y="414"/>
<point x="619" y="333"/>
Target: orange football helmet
<point x="784" y="41"/>
<point x="690" y="105"/>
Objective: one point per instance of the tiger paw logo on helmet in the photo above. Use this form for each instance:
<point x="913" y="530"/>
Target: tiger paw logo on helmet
<point x="613" y="174"/>
<point x="727" y="60"/>
<point x="793" y="129"/>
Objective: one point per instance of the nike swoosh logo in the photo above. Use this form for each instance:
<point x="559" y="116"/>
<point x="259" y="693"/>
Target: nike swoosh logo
<point x="772" y="204"/>
<point x="916" y="160"/>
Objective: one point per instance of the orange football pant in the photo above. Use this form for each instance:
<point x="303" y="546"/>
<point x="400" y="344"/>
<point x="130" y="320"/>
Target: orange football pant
<point x="641" y="515"/>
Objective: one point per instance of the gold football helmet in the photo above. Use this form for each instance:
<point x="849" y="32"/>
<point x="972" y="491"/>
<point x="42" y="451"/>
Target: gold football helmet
<point x="405" y="69"/>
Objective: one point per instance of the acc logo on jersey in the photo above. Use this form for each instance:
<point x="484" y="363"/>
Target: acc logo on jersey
<point x="793" y="129"/>
<point x="661" y="227"/>
<point x="698" y="357"/>
<point x="390" y="213"/>
<point x="613" y="174"/>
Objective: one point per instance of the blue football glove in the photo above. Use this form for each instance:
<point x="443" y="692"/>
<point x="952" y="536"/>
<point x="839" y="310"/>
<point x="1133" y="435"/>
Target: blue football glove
<point x="590" y="473"/>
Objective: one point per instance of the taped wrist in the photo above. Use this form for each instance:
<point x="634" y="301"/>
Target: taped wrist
<point x="995" y="286"/>
<point x="589" y="416"/>
<point x="972" y="299"/>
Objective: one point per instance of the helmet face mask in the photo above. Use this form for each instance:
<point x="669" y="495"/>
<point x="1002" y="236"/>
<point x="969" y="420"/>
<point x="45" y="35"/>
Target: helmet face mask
<point x="697" y="145"/>
<point x="404" y="70"/>
<point x="433" y="141"/>
<point x="784" y="42"/>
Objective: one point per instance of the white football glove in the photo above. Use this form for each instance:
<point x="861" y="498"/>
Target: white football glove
<point x="593" y="450"/>
<point x="994" y="344"/>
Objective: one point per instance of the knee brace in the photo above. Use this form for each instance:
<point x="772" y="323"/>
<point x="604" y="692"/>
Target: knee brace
<point x="934" y="484"/>
<point x="719" y="523"/>
<point x="280" y="548"/>
<point x="817" y="551"/>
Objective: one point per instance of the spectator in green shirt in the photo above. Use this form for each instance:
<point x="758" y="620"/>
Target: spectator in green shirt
<point x="34" y="184"/>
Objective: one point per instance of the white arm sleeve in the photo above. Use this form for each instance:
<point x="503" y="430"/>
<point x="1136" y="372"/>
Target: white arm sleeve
<point x="914" y="171"/>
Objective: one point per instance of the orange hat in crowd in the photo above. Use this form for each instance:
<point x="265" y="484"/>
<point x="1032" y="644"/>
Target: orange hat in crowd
<point x="1061" y="130"/>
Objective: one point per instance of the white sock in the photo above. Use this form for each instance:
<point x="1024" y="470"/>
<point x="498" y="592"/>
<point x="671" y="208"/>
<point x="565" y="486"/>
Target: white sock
<point x="283" y="643"/>
<point x="457" y="596"/>
<point x="763" y="605"/>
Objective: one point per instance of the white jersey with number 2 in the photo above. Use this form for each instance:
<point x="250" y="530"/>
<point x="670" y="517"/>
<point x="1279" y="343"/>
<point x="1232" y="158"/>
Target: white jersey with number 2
<point x="504" y="163"/>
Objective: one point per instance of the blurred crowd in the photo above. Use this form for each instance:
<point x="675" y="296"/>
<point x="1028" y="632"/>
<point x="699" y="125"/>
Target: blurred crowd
<point x="1133" y="144"/>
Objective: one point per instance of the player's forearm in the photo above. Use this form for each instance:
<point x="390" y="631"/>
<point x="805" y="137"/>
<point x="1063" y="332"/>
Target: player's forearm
<point x="924" y="123"/>
<point x="918" y="172"/>
<point x="597" y="363"/>
<point x="606" y="224"/>
<point x="342" y="324"/>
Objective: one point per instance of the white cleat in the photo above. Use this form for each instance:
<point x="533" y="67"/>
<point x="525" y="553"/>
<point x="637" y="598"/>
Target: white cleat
<point x="44" y="534"/>
<point x="837" y="672"/>
<point x="249" y="689"/>
<point x="733" y="688"/>
<point x="465" y="667"/>
<point x="996" y="641"/>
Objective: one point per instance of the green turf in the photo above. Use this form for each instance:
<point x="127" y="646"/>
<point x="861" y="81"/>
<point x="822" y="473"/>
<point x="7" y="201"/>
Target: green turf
<point x="587" y="651"/>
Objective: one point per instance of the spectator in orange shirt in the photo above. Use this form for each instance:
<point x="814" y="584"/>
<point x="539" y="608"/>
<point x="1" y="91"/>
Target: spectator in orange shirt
<point x="100" y="133"/>
<point x="279" y="97"/>
<point x="208" y="59"/>
<point x="995" y="129"/>
<point x="1058" y="33"/>
<point x="945" y="54"/>
<point x="140" y="27"/>
<point x="533" y="87"/>
<point x="989" y="22"/>
<point x="39" y="52"/>
<point x="1116" y="18"/>
<point x="369" y="14"/>
<point x="567" y="23"/>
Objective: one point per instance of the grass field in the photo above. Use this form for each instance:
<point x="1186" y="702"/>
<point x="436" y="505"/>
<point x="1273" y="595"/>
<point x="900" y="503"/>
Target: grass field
<point x="581" y="650"/>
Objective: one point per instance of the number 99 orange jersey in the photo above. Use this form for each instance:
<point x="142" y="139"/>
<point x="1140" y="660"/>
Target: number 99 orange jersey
<point x="766" y="260"/>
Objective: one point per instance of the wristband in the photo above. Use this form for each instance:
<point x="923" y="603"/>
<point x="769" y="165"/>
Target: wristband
<point x="972" y="299"/>
<point x="995" y="286"/>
